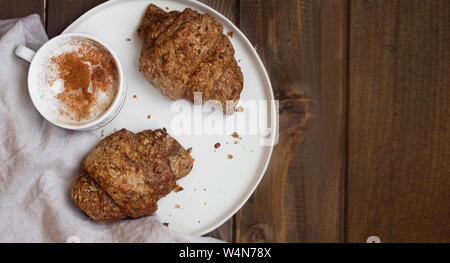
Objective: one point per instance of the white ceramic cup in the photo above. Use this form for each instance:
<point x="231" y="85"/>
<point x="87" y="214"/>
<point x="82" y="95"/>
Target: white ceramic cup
<point x="37" y="62"/>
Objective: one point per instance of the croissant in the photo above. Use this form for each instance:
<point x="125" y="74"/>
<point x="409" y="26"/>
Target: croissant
<point x="126" y="174"/>
<point x="186" y="52"/>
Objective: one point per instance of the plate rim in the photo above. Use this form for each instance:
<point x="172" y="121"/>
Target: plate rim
<point x="219" y="222"/>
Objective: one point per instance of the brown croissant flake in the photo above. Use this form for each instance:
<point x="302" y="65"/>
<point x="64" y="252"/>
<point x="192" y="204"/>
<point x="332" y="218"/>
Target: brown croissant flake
<point x="187" y="52"/>
<point x="126" y="174"/>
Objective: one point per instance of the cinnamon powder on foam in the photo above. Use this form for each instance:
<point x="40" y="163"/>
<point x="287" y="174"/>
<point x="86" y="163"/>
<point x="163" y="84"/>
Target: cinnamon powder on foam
<point x="85" y="71"/>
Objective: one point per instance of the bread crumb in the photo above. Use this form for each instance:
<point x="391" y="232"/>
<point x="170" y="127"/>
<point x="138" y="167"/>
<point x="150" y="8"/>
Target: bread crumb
<point x="217" y="145"/>
<point x="214" y="150"/>
<point x="103" y="133"/>
<point x="198" y="222"/>
<point x="235" y="135"/>
<point x="128" y="39"/>
<point x="167" y="8"/>
<point x="230" y="156"/>
<point x="134" y="97"/>
<point x="166" y="224"/>
<point x="149" y="116"/>
<point x="178" y="188"/>
<point x="204" y="189"/>
<point x="236" y="142"/>
<point x="240" y="109"/>
<point x="230" y="34"/>
<point x="177" y="206"/>
<point x="204" y="204"/>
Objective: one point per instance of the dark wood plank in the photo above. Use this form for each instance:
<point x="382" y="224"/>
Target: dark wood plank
<point x="61" y="13"/>
<point x="229" y="9"/>
<point x="20" y="8"/>
<point x="225" y="232"/>
<point x="302" y="44"/>
<point x="399" y="121"/>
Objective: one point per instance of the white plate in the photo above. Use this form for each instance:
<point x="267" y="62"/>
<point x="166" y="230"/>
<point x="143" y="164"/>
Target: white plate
<point x="217" y="186"/>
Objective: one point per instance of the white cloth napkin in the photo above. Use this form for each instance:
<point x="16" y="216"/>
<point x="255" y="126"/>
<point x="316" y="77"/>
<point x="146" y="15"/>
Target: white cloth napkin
<point x="39" y="162"/>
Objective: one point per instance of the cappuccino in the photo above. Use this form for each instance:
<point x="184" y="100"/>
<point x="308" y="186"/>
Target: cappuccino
<point x="78" y="82"/>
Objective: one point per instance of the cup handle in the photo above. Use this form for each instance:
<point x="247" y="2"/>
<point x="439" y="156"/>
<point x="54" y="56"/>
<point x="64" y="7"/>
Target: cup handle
<point x="24" y="53"/>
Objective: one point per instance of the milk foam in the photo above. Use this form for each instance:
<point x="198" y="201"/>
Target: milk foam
<point x="50" y="86"/>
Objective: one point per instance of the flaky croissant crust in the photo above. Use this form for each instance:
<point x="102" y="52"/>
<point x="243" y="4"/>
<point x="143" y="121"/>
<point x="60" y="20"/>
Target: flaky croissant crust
<point x="126" y="174"/>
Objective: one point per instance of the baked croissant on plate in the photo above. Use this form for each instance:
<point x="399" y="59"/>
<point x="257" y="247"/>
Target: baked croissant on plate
<point x="186" y="52"/>
<point x="126" y="174"/>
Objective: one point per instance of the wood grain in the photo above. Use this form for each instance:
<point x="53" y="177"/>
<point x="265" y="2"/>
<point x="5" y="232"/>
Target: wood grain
<point x="302" y="44"/>
<point x="61" y="13"/>
<point x="20" y="8"/>
<point x="228" y="8"/>
<point x="399" y="121"/>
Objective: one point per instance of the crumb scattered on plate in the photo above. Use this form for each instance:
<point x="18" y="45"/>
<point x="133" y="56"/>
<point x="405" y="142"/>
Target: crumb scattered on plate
<point x="236" y="142"/>
<point x="128" y="39"/>
<point x="198" y="222"/>
<point x="134" y="97"/>
<point x="230" y="34"/>
<point x="217" y="145"/>
<point x="103" y="133"/>
<point x="149" y="116"/>
<point x="167" y="8"/>
<point x="235" y="135"/>
<point x="178" y="188"/>
<point x="230" y="156"/>
<point x="177" y="206"/>
<point x="166" y="224"/>
<point x="204" y="203"/>
<point x="240" y="109"/>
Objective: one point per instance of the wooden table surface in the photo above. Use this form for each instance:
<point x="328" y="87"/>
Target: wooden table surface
<point x="364" y="91"/>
